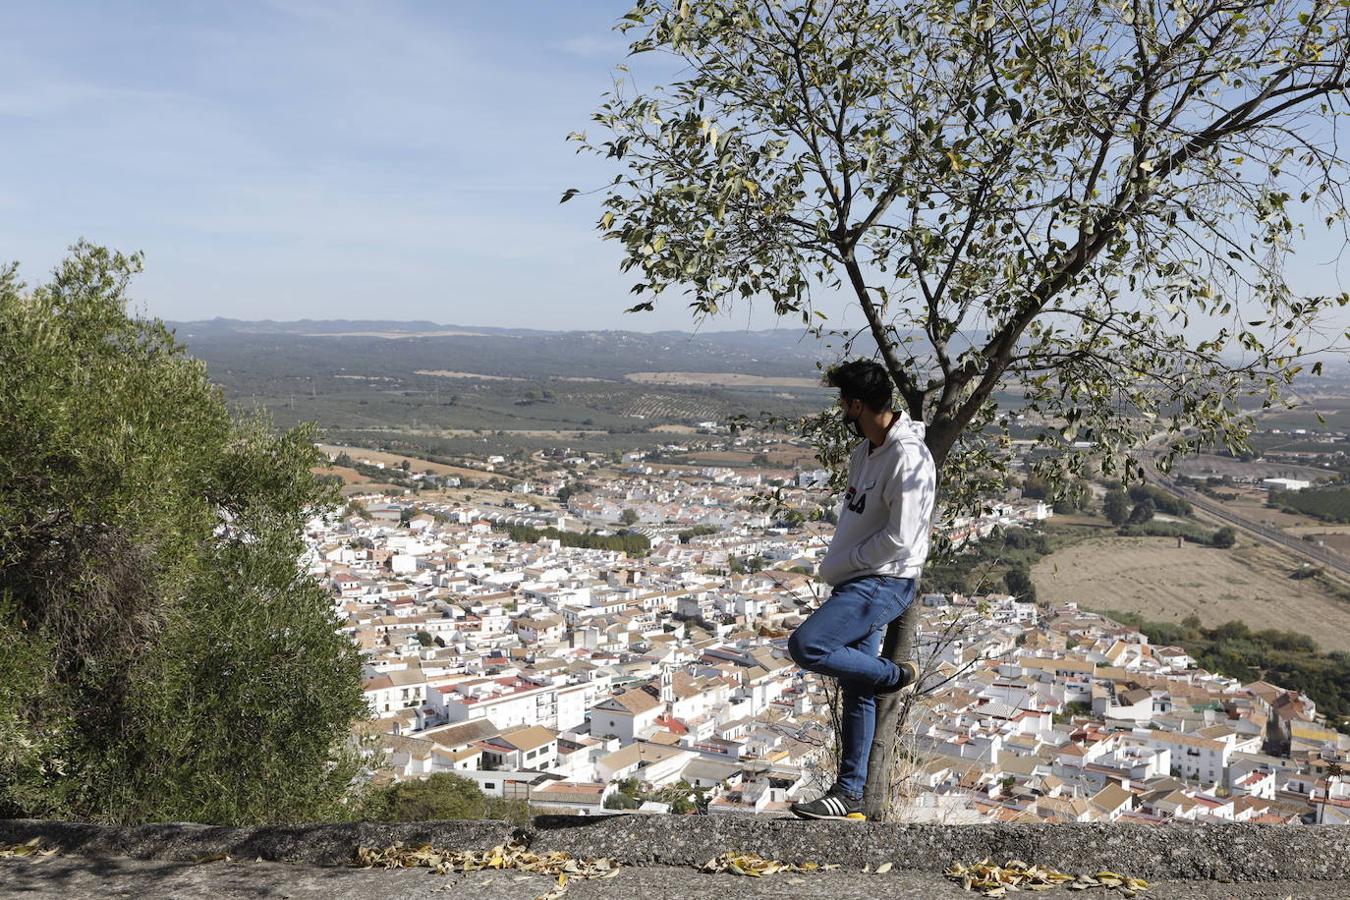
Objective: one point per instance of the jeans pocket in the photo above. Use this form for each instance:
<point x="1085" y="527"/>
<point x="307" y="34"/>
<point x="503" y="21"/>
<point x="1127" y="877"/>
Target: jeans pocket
<point x="896" y="598"/>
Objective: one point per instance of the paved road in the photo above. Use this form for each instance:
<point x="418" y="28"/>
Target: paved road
<point x="105" y="878"/>
<point x="1297" y="546"/>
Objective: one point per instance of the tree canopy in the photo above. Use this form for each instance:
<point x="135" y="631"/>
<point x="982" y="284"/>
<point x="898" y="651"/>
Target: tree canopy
<point x="1116" y="507"/>
<point x="1050" y="197"/>
<point x="162" y="656"/>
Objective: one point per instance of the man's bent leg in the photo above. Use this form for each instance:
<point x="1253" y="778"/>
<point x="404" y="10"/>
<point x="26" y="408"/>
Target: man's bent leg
<point x="829" y="641"/>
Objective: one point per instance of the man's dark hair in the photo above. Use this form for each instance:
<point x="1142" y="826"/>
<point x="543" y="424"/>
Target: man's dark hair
<point x="863" y="379"/>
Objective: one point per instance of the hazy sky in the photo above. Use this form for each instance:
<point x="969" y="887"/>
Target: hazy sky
<point x="291" y="160"/>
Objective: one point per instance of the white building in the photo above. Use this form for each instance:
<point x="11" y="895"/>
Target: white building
<point x="1193" y="757"/>
<point x="1286" y="484"/>
<point x="512" y="701"/>
<point x="626" y="715"/>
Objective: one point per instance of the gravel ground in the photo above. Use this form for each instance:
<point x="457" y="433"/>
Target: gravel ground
<point x="97" y="878"/>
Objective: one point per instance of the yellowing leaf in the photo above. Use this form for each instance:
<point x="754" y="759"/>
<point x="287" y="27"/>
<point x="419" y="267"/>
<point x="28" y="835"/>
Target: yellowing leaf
<point x="28" y="849"/>
<point x="995" y="881"/>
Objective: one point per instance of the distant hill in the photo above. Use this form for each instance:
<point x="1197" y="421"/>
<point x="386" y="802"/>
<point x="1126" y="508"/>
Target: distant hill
<point x="362" y="380"/>
<point x="397" y="347"/>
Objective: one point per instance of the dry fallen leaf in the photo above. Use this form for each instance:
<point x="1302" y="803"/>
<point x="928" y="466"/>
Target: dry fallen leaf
<point x="1016" y="875"/>
<point x="753" y="865"/>
<point x="512" y="855"/>
<point x="31" y="849"/>
<point x="883" y="868"/>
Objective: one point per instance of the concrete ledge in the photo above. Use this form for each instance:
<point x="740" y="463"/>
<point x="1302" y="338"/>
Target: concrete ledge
<point x="1231" y="852"/>
<point x="319" y="845"/>
<point x="1235" y="852"/>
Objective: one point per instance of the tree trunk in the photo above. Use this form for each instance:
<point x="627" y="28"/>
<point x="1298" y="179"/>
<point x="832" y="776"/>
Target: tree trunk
<point x="898" y="646"/>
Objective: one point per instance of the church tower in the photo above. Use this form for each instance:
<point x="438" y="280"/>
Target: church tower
<point x="667" y="687"/>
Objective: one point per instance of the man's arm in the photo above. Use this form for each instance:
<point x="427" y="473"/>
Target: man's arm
<point x="833" y="567"/>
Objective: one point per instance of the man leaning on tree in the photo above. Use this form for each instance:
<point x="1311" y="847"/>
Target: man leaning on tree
<point x="873" y="566"/>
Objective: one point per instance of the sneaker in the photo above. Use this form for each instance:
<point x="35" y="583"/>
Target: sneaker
<point x="832" y="805"/>
<point x="909" y="673"/>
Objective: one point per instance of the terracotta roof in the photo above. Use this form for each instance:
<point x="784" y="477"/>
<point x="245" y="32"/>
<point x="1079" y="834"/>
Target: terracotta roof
<point x="634" y="701"/>
<point x="1112" y="797"/>
<point x="377" y="683"/>
<point x="526" y="737"/>
<point x="1130" y="698"/>
<point x="639" y="751"/>
<point x="461" y="734"/>
<point x="570" y="792"/>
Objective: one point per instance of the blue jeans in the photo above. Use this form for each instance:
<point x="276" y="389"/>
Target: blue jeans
<point x="843" y="639"/>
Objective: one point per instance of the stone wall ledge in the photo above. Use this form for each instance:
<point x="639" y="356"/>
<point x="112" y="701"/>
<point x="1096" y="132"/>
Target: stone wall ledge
<point x="1235" y="852"/>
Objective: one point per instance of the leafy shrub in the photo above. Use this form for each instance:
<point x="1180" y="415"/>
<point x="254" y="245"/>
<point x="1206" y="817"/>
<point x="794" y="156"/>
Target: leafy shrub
<point x="148" y="552"/>
<point x="440" y="796"/>
<point x="1116" y="507"/>
<point x="1162" y="501"/>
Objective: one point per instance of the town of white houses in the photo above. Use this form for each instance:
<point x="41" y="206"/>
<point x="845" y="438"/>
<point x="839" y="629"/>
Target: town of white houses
<point x="590" y="681"/>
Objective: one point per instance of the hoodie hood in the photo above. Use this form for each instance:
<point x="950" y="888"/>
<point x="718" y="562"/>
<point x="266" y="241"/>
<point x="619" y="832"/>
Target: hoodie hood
<point x="905" y="423"/>
<point x="902" y="428"/>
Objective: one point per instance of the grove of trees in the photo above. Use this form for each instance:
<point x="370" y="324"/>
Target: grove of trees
<point x="632" y="543"/>
<point x="1330" y="504"/>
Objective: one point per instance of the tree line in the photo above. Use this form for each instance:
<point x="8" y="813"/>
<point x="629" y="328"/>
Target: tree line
<point x="629" y="542"/>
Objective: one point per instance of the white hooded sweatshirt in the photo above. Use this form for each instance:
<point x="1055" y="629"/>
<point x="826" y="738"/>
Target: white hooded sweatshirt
<point x="887" y="513"/>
